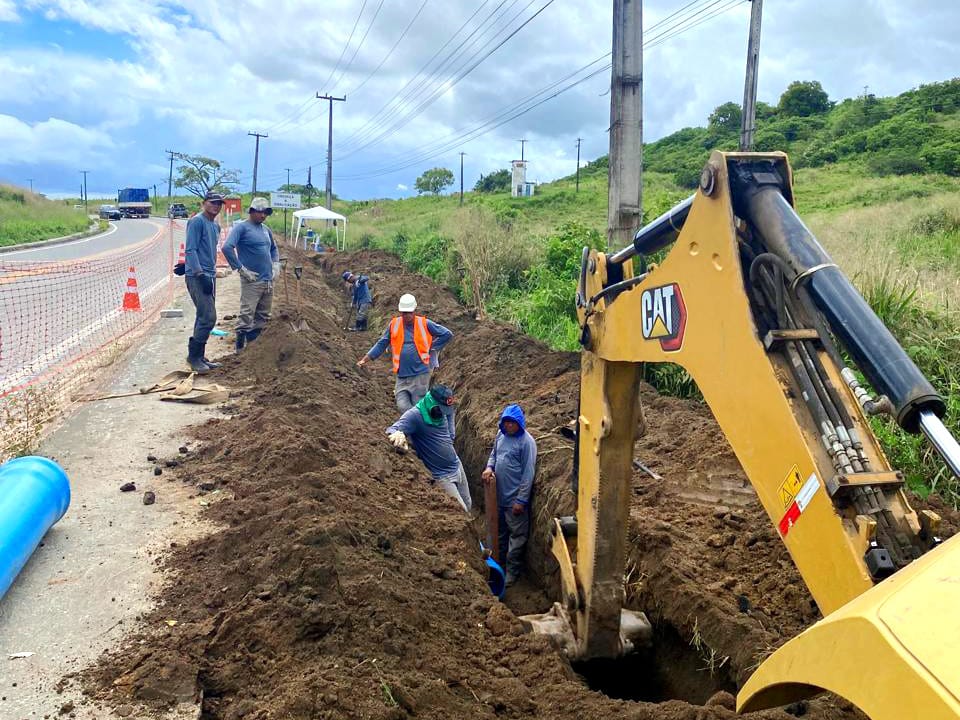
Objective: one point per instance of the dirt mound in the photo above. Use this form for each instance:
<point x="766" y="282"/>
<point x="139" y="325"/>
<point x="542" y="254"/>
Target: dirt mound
<point x="342" y="584"/>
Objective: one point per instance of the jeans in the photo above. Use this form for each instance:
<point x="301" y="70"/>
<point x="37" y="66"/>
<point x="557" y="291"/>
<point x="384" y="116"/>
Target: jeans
<point x="512" y="538"/>
<point x="456" y="486"/>
<point x="256" y="299"/>
<point x="410" y="390"/>
<point x="206" y="309"/>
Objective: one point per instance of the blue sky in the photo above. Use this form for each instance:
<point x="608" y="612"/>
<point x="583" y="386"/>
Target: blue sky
<point x="109" y="86"/>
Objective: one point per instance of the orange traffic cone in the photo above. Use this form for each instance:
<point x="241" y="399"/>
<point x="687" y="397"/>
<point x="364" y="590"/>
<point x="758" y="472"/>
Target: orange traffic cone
<point x="131" y="298"/>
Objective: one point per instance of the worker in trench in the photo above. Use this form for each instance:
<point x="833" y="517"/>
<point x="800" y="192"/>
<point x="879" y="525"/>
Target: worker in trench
<point x="512" y="465"/>
<point x="414" y="342"/>
<point x="251" y="250"/>
<point x="361" y="300"/>
<point x="429" y="429"/>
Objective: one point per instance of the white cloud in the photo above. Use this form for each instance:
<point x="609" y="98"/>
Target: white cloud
<point x="402" y="187"/>
<point x="8" y="11"/>
<point x="51" y="141"/>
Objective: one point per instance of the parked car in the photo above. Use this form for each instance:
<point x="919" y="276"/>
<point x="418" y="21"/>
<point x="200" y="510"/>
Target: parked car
<point x="177" y="210"/>
<point x="110" y="212"/>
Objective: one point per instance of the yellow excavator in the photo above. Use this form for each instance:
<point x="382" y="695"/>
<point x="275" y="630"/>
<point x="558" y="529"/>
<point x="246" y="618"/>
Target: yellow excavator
<point x="750" y="304"/>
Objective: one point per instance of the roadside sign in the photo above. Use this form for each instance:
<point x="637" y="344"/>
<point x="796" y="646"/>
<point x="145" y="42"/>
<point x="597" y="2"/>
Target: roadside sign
<point x="285" y="200"/>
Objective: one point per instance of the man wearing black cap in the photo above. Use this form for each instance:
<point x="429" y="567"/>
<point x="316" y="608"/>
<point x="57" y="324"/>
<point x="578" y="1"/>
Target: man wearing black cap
<point x="429" y="427"/>
<point x="252" y="252"/>
<point x="200" y="273"/>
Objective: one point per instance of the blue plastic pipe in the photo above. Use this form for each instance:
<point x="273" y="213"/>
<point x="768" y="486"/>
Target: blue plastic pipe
<point x="34" y="494"/>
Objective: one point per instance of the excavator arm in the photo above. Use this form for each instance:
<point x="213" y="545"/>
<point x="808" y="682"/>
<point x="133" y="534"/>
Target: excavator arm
<point x="749" y="303"/>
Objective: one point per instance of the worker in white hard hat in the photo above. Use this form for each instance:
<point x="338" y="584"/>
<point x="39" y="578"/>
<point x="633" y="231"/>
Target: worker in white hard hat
<point x="413" y="341"/>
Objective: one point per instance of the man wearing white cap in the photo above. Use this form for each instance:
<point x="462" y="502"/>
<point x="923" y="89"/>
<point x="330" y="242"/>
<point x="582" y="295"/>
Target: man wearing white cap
<point x="252" y="252"/>
<point x="413" y="341"/>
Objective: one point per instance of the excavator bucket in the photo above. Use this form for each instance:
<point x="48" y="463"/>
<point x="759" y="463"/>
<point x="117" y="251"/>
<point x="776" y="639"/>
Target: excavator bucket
<point x="894" y="651"/>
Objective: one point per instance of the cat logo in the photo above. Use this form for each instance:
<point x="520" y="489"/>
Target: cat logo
<point x="664" y="316"/>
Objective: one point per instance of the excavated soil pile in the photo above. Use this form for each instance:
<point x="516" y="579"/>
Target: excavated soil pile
<point x="342" y="585"/>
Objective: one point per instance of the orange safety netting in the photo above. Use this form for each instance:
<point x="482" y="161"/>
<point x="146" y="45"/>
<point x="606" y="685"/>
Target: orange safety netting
<point x="62" y="320"/>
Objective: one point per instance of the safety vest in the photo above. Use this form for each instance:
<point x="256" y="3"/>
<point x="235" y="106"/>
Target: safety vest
<point x="421" y="338"/>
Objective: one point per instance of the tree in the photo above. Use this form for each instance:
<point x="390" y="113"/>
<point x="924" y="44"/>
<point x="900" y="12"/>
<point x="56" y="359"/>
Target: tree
<point x="498" y="181"/>
<point x="726" y="117"/>
<point x="804" y="99"/>
<point x="434" y="180"/>
<point x="198" y="175"/>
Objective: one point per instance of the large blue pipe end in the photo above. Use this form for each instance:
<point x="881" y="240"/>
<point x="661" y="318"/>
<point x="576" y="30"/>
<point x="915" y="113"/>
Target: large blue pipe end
<point x="34" y="495"/>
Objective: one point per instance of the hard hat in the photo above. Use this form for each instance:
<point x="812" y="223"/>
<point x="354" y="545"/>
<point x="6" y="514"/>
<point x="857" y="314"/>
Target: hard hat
<point x="408" y="303"/>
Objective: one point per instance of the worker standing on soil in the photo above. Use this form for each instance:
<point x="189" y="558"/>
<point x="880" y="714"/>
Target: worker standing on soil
<point x="251" y="251"/>
<point x="200" y="273"/>
<point x="362" y="299"/>
<point x="429" y="427"/>
<point x="512" y="465"/>
<point x="414" y="342"/>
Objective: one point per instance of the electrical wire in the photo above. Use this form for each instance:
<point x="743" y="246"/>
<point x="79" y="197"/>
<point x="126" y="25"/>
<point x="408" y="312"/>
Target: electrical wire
<point x="360" y="44"/>
<point x="344" y="51"/>
<point x="386" y="57"/>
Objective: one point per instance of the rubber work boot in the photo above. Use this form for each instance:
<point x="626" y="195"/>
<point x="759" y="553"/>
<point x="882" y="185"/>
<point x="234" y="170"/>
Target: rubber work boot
<point x="253" y="334"/>
<point x="195" y="357"/>
<point x="210" y="364"/>
<point x="241" y="341"/>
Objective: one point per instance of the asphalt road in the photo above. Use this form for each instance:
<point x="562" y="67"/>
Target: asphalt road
<point x="121" y="233"/>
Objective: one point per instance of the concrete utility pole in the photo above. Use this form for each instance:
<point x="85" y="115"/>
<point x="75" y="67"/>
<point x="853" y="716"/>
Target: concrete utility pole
<point x="624" y="199"/>
<point x="171" y="153"/>
<point x="578" y="164"/>
<point x="288" y="179"/>
<point x="256" y="158"/>
<point x="522" y="143"/>
<point x="157" y="208"/>
<point x="749" y="113"/>
<point x="85" y="190"/>
<point x="331" y="99"/>
<point x="461" y="177"/>
<point x="30" y="180"/>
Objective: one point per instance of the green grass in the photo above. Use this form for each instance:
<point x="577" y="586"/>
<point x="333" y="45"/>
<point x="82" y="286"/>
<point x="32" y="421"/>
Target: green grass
<point x="26" y="217"/>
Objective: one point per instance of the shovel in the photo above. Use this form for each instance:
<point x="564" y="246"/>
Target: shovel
<point x="286" y="290"/>
<point x="301" y="324"/>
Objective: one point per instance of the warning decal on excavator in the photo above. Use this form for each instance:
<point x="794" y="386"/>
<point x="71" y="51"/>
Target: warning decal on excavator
<point x="790" y="487"/>
<point x="799" y="504"/>
<point x="664" y="316"/>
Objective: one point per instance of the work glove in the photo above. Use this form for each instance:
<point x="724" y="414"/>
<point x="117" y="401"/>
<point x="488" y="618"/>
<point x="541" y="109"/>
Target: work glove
<point x="248" y="275"/>
<point x="206" y="284"/>
<point x="399" y="441"/>
<point x="276" y="270"/>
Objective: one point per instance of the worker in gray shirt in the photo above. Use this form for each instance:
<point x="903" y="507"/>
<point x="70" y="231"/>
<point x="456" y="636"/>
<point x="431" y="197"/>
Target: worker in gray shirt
<point x="252" y="252"/>
<point x="428" y="427"/>
<point x="200" y="273"/>
<point x="511" y="466"/>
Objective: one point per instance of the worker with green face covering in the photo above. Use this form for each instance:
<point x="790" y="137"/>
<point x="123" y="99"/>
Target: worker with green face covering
<point x="428" y="427"/>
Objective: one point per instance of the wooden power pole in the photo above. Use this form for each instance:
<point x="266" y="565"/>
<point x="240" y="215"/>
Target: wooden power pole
<point x="749" y="113"/>
<point x="331" y="99"/>
<point x="624" y="199"/>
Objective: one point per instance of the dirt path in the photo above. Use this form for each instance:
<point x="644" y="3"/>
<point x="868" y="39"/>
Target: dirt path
<point x="344" y="585"/>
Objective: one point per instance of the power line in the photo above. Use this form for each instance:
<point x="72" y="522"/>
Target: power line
<point x="349" y="39"/>
<point x="390" y="52"/>
<point x="360" y="44"/>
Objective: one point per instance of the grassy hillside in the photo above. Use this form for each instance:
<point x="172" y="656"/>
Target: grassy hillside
<point x="876" y="179"/>
<point x="27" y="217"/>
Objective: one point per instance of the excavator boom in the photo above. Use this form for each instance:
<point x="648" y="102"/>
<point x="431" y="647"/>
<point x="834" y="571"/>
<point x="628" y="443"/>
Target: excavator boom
<point x="750" y="304"/>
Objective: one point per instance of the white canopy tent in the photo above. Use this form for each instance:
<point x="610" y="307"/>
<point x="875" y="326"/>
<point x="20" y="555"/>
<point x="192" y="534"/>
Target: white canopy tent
<point x="320" y="213"/>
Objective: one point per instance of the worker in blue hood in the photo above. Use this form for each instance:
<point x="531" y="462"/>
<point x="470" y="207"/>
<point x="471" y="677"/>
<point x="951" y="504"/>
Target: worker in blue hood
<point x="511" y="466"/>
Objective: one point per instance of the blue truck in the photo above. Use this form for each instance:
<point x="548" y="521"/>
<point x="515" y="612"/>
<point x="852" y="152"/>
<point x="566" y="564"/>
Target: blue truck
<point x="134" y="202"/>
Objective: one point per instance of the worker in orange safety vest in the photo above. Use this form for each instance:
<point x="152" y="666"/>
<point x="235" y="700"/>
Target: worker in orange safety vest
<point x="414" y="342"/>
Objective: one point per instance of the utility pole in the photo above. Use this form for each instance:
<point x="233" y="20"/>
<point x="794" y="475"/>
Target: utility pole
<point x="624" y="199"/>
<point x="86" y="209"/>
<point x="157" y="207"/>
<point x="309" y="185"/>
<point x="256" y="158"/>
<point x="578" y="164"/>
<point x="30" y="180"/>
<point x="171" y="153"/>
<point x="749" y="114"/>
<point x="288" y="179"/>
<point x="522" y="143"/>
<point x="331" y="99"/>
<point x="461" y="177"/>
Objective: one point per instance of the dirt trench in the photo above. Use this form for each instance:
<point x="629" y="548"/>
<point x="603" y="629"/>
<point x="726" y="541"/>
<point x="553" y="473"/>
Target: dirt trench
<point x="341" y="584"/>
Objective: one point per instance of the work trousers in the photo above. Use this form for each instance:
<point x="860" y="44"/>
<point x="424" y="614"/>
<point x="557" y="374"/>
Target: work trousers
<point x="363" y="312"/>
<point x="455" y="485"/>
<point x="206" y="306"/>
<point x="512" y="538"/>
<point x="410" y="390"/>
<point x="256" y="299"/>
